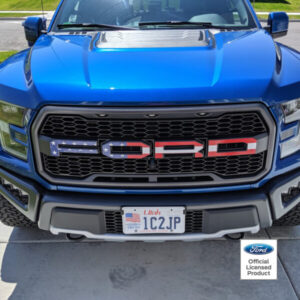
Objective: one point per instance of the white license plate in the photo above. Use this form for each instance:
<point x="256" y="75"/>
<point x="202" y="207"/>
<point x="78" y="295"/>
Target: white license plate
<point x="150" y="220"/>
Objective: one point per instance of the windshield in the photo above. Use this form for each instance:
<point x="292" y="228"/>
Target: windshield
<point x="153" y="14"/>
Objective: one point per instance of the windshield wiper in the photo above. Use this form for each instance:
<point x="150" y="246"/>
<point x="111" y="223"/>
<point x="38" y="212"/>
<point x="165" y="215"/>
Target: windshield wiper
<point x="179" y="23"/>
<point x="91" y="26"/>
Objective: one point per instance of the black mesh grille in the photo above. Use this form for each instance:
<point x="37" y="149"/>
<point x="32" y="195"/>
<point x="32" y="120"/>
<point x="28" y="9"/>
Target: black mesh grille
<point x="80" y="166"/>
<point x="113" y="220"/>
<point x="100" y="170"/>
<point x="229" y="124"/>
<point x="193" y="221"/>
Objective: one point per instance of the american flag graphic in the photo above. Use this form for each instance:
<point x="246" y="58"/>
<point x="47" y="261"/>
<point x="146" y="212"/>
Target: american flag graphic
<point x="107" y="150"/>
<point x="132" y="217"/>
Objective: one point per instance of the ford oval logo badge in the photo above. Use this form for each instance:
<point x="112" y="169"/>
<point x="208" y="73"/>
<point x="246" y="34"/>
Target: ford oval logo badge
<point x="258" y="249"/>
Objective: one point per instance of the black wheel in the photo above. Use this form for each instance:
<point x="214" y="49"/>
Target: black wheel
<point x="292" y="218"/>
<point x="10" y="216"/>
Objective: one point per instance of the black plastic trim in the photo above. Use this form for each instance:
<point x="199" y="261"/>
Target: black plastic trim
<point x="217" y="219"/>
<point x="103" y="202"/>
<point x="88" y="220"/>
<point x="279" y="186"/>
<point x="29" y="210"/>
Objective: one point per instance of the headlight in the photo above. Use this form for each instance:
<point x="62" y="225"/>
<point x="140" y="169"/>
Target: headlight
<point x="291" y="111"/>
<point x="13" y="137"/>
<point x="291" y="137"/>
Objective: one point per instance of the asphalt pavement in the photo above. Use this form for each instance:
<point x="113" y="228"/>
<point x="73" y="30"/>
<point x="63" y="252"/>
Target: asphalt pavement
<point x="12" y="36"/>
<point x="292" y="39"/>
<point x="37" y="265"/>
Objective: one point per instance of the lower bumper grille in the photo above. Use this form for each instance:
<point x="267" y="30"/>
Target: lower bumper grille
<point x="193" y="221"/>
<point x="113" y="221"/>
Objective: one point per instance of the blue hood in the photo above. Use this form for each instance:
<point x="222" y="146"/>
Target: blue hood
<point x="70" y="69"/>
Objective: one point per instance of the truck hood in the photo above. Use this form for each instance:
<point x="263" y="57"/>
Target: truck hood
<point x="221" y="66"/>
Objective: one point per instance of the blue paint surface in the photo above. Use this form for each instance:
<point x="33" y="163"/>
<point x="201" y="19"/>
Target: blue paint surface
<point x="240" y="67"/>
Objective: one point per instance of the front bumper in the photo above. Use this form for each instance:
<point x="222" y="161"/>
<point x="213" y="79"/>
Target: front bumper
<point x="82" y="213"/>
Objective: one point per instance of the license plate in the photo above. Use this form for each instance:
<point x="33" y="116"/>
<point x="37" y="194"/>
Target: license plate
<point x="151" y="220"/>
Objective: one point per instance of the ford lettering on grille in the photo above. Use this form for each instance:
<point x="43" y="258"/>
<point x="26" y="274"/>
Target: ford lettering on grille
<point x="159" y="149"/>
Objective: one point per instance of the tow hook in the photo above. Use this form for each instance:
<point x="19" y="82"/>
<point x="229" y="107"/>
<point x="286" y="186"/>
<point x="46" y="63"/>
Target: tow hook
<point x="235" y="237"/>
<point x="75" y="237"/>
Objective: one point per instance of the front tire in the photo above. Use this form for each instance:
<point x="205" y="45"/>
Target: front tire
<point x="292" y="218"/>
<point x="10" y="216"/>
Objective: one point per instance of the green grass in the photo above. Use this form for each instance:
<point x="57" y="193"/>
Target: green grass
<point x="265" y="17"/>
<point x="10" y="15"/>
<point x="259" y="5"/>
<point x="27" y="4"/>
<point x="5" y="55"/>
<point x="276" y="5"/>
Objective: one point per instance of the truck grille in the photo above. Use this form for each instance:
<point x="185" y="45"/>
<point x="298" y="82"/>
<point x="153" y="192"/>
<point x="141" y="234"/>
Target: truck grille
<point x="197" y="124"/>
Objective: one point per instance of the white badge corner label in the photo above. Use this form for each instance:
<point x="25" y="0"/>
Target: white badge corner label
<point x="258" y="259"/>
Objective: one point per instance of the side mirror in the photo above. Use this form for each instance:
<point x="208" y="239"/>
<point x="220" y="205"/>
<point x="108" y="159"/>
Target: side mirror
<point x="34" y="27"/>
<point x="278" y="24"/>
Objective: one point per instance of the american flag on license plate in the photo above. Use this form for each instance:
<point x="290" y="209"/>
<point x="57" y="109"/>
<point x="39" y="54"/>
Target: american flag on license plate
<point x="132" y="217"/>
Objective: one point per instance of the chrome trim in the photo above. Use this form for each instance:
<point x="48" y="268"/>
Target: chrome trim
<point x="192" y="237"/>
<point x="290" y="146"/>
<point x="293" y="117"/>
<point x="153" y="39"/>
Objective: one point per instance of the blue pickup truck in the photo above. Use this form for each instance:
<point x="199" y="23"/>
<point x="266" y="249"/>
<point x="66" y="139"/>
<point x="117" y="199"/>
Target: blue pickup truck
<point x="151" y="120"/>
